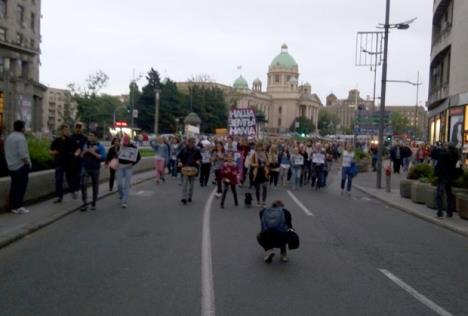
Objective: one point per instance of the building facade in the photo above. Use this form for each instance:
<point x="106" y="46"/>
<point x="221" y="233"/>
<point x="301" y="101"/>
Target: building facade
<point x="58" y="108"/>
<point x="346" y="109"/>
<point x="20" y="91"/>
<point x="416" y="116"/>
<point x="284" y="99"/>
<point x="448" y="86"/>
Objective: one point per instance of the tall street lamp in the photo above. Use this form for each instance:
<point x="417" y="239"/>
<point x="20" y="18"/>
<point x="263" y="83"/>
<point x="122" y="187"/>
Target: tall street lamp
<point x="387" y="26"/>
<point x="157" y="92"/>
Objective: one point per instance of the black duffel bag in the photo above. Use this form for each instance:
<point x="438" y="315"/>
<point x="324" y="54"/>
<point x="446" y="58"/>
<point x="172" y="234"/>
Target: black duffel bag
<point x="293" y="240"/>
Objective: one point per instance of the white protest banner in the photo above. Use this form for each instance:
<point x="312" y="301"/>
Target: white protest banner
<point x="128" y="153"/>
<point x="242" y="122"/>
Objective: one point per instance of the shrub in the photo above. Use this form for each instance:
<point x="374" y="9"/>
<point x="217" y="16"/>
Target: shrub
<point x="359" y="154"/>
<point x="422" y="170"/>
<point x="462" y="181"/>
<point x="39" y="152"/>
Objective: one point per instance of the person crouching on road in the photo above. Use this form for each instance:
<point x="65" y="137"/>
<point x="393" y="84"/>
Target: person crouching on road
<point x="128" y="157"/>
<point x="276" y="222"/>
<point x="189" y="160"/>
<point x="229" y="174"/>
<point x="92" y="155"/>
<point x="161" y="158"/>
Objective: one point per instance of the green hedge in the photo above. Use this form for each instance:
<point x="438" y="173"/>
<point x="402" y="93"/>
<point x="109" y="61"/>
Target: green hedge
<point x="39" y="152"/>
<point x="422" y="170"/>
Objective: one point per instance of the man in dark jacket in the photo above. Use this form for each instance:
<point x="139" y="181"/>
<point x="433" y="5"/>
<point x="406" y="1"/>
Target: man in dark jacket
<point x="93" y="153"/>
<point x="446" y="159"/>
<point x="188" y="157"/>
<point x="278" y="236"/>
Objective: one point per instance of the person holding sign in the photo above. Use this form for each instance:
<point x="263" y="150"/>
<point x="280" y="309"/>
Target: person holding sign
<point x="285" y="163"/>
<point x="297" y="162"/>
<point x="318" y="161"/>
<point x="128" y="157"/>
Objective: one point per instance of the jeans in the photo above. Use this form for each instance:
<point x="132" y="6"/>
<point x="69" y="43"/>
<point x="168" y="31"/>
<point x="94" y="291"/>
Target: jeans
<point x="111" y="178"/>
<point x="75" y="174"/>
<point x="345" y="176"/>
<point x="296" y="177"/>
<point x="85" y="175"/>
<point x="19" y="183"/>
<point x="60" y="171"/>
<point x="219" y="182"/>
<point x="444" y="186"/>
<point x="173" y="167"/>
<point x="187" y="187"/>
<point x="205" y="174"/>
<point x="159" y="167"/>
<point x="283" y="175"/>
<point x="261" y="187"/>
<point x="234" y="193"/>
<point x="124" y="180"/>
<point x="319" y="175"/>
<point x="274" y="175"/>
<point x="396" y="165"/>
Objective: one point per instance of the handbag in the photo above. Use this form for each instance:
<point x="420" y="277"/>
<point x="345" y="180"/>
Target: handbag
<point x="189" y="171"/>
<point x="353" y="170"/>
<point x="114" y="164"/>
<point x="293" y="239"/>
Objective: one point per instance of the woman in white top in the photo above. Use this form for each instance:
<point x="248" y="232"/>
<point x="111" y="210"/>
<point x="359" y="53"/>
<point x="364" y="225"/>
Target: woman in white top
<point x="346" y="176"/>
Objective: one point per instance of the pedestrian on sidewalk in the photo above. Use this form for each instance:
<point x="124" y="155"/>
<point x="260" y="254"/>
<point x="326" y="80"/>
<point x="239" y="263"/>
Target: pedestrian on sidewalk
<point x="65" y="152"/>
<point x="276" y="223"/>
<point x="112" y="160"/>
<point x="189" y="161"/>
<point x="346" y="169"/>
<point x="260" y="174"/>
<point x="396" y="156"/>
<point x="161" y="158"/>
<point x="446" y="158"/>
<point x="93" y="154"/>
<point x="128" y="157"/>
<point x="229" y="174"/>
<point x="19" y="165"/>
<point x="80" y="141"/>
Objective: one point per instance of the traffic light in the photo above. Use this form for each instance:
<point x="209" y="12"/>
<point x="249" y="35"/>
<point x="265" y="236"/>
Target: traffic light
<point x="389" y="138"/>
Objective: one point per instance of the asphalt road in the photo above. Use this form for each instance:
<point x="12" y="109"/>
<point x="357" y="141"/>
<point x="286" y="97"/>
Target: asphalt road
<point x="146" y="260"/>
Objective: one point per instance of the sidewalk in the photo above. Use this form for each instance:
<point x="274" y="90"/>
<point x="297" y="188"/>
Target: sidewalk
<point x="14" y="227"/>
<point x="366" y="182"/>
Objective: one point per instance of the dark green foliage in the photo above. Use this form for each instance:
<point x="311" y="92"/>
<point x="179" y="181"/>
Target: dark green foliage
<point x="422" y="170"/>
<point x="306" y="126"/>
<point x="327" y="123"/>
<point x="39" y="152"/>
<point x="359" y="154"/>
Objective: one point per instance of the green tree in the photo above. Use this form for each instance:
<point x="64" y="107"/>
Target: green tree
<point x="306" y="126"/>
<point x="327" y="122"/>
<point x="399" y="123"/>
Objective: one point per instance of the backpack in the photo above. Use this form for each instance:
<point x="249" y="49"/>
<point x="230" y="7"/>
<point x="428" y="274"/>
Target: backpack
<point x="274" y="219"/>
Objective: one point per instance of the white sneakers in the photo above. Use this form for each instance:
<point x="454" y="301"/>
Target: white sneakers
<point x="20" y="211"/>
<point x="269" y="256"/>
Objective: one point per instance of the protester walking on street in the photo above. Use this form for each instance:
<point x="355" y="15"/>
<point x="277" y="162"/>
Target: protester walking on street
<point x="318" y="163"/>
<point x="93" y="154"/>
<point x="274" y="165"/>
<point x="285" y="164"/>
<point x="205" y="170"/>
<point x="65" y="152"/>
<point x="161" y="158"/>
<point x="396" y="156"/>
<point x="189" y="160"/>
<point x="346" y="169"/>
<point x="260" y="174"/>
<point x="276" y="222"/>
<point x="128" y="157"/>
<point x="19" y="165"/>
<point x="297" y="162"/>
<point x="446" y="160"/>
<point x="218" y="160"/>
<point x="175" y="148"/>
<point x="229" y="174"/>
<point x="112" y="160"/>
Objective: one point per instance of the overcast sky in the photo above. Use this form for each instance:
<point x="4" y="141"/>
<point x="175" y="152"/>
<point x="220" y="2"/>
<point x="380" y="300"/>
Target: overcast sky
<point x="180" y="38"/>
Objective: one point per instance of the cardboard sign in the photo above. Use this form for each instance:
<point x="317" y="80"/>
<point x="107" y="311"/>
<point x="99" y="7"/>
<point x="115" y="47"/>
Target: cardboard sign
<point x="242" y="122"/>
<point x="299" y="160"/>
<point x="128" y="153"/>
<point x="318" y="158"/>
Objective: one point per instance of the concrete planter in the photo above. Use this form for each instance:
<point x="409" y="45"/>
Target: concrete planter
<point x="461" y="200"/>
<point x="405" y="188"/>
<point x="431" y="197"/>
<point x="457" y="191"/>
<point x="420" y="192"/>
<point x="363" y="165"/>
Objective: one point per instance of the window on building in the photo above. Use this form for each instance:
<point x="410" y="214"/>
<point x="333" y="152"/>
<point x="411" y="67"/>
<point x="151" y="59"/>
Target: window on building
<point x="2" y="34"/>
<point x="303" y="111"/>
<point x="280" y="110"/>
<point x="19" y="39"/>
<point x="279" y="122"/>
<point x="3" y="5"/>
<point x="2" y="67"/>
<point x="289" y="78"/>
<point x="20" y="14"/>
<point x="33" y="22"/>
<point x="33" y="43"/>
<point x="277" y="79"/>
<point x="25" y="70"/>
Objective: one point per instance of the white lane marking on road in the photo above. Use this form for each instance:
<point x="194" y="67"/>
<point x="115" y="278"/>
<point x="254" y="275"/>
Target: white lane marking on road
<point x="207" y="299"/>
<point x="423" y="299"/>
<point x="299" y="203"/>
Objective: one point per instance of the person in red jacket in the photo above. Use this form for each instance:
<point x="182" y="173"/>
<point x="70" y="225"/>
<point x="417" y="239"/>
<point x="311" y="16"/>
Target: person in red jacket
<point x="229" y="174"/>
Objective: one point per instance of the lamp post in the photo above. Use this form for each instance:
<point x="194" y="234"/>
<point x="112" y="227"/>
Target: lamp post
<point x="387" y="26"/>
<point x="157" y="91"/>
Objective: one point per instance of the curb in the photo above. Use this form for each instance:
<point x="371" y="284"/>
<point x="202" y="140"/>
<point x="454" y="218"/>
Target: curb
<point x="28" y="229"/>
<point x="426" y="218"/>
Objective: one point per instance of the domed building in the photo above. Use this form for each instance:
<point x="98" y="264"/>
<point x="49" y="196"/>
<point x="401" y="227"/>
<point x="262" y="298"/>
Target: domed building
<point x="284" y="100"/>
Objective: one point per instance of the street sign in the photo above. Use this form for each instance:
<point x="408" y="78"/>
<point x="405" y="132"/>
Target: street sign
<point x="298" y="125"/>
<point x="135" y="113"/>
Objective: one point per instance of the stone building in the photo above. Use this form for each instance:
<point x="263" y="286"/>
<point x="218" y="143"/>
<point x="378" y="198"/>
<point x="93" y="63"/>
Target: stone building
<point x="448" y="86"/>
<point x="284" y="99"/>
<point x="20" y="91"/>
<point x="58" y="108"/>
<point x="345" y="109"/>
<point x="416" y="116"/>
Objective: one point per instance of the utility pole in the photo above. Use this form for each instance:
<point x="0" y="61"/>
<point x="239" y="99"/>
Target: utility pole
<point x="156" y="110"/>
<point x="383" y="96"/>
<point x="417" y="103"/>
